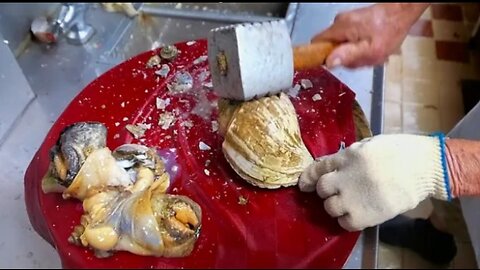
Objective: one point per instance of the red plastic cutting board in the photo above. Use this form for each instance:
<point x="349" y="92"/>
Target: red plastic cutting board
<point x="281" y="228"/>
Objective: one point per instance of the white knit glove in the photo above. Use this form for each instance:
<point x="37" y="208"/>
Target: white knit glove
<point x="378" y="178"/>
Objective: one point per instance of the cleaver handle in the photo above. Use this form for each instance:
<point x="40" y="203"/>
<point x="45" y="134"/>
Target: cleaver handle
<point x="311" y="55"/>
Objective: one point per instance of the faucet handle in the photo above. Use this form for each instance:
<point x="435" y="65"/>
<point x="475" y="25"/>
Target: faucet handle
<point x="79" y="31"/>
<point x="70" y="22"/>
<point x="65" y="15"/>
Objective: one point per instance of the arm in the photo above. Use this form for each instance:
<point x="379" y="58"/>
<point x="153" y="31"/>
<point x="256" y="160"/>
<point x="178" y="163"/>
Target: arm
<point x="463" y="158"/>
<point x="367" y="36"/>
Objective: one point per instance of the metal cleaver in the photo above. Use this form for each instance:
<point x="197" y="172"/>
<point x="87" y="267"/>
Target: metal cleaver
<point x="253" y="60"/>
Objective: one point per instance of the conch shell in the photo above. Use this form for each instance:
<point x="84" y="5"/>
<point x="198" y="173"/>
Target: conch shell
<point x="262" y="141"/>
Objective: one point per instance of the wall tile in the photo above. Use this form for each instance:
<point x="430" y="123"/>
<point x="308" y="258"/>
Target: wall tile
<point x="450" y="31"/>
<point x="450" y="12"/>
<point x="419" y="47"/>
<point x="452" y="51"/>
<point x="418" y="67"/>
<point x="420" y="119"/>
<point x="392" y="117"/>
<point x="420" y="91"/>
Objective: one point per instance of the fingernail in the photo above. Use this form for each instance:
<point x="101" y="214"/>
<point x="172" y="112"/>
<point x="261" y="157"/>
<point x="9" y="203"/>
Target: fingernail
<point x="336" y="62"/>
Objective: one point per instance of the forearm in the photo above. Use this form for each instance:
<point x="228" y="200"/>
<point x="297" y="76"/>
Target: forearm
<point x="404" y="14"/>
<point x="463" y="159"/>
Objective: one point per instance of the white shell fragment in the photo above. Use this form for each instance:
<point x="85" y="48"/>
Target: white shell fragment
<point x="203" y="75"/>
<point x="306" y="83"/>
<point x="293" y="91"/>
<point x="162" y="103"/>
<point x="208" y="85"/>
<point x="138" y="130"/>
<point x="214" y="126"/>
<point x="203" y="146"/>
<point x="163" y="71"/>
<point x="166" y="120"/>
<point x="187" y="124"/>
<point x="183" y="82"/>
<point x="200" y="59"/>
<point x="316" y="97"/>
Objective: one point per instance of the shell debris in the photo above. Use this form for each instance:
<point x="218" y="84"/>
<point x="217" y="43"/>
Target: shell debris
<point x="203" y="146"/>
<point x="200" y="59"/>
<point x="162" y="103"/>
<point x="166" y="120"/>
<point x="203" y="76"/>
<point x="183" y="82"/>
<point x="163" y="71"/>
<point x="242" y="200"/>
<point x="154" y="61"/>
<point x="293" y="92"/>
<point x="214" y="126"/>
<point x="187" y="124"/>
<point x="138" y="130"/>
<point x="208" y="85"/>
<point x="316" y="97"/>
<point x="306" y="83"/>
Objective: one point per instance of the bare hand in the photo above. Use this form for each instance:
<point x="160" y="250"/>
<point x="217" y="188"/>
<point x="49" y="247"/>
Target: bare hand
<point x="367" y="36"/>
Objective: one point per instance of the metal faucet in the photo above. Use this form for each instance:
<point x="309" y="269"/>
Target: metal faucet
<point x="71" y="23"/>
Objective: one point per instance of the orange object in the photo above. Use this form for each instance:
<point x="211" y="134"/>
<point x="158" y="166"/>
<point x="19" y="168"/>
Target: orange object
<point x="312" y="55"/>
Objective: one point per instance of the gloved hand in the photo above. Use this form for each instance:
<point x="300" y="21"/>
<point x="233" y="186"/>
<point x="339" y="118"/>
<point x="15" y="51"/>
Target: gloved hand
<point x="378" y="178"/>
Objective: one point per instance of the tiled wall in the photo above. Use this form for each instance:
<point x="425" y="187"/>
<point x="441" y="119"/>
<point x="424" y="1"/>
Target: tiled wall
<point x="423" y="95"/>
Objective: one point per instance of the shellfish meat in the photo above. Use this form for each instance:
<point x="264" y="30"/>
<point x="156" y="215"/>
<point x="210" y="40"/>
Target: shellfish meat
<point x="124" y="197"/>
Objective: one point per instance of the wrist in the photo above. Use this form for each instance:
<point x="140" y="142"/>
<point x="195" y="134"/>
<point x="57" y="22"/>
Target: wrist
<point x="432" y="181"/>
<point x="410" y="11"/>
<point x="463" y="158"/>
<point x="441" y="177"/>
<point x="404" y="14"/>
